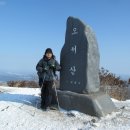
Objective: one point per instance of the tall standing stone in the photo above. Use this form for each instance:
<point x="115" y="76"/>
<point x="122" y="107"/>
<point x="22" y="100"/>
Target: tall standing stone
<point x="79" y="59"/>
<point x="79" y="78"/>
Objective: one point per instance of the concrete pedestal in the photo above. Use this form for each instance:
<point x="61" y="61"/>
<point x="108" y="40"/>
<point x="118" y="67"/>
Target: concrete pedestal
<point x="97" y="104"/>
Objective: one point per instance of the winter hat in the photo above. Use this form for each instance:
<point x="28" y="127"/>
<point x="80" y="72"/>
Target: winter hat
<point x="48" y="50"/>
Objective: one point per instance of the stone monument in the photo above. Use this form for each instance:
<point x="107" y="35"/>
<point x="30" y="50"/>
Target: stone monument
<point x="79" y="59"/>
<point x="79" y="78"/>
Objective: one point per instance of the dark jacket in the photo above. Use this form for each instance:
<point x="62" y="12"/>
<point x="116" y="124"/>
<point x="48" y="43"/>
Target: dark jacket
<point x="47" y="68"/>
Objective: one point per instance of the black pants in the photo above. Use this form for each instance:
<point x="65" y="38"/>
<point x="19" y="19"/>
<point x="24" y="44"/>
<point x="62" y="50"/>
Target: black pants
<point x="46" y="94"/>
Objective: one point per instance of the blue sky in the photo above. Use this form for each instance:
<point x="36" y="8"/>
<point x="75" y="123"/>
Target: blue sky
<point x="28" y="27"/>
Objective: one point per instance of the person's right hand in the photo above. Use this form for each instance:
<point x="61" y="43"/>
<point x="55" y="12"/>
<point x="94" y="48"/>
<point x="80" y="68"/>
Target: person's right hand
<point x="46" y="68"/>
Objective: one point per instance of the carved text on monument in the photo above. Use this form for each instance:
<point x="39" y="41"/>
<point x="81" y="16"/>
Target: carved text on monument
<point x="74" y="31"/>
<point x="74" y="49"/>
<point x="72" y="70"/>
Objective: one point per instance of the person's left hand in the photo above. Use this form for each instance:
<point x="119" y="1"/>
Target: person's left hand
<point x="52" y="66"/>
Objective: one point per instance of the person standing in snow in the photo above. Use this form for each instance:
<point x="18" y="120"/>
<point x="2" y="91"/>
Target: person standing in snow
<point x="46" y="69"/>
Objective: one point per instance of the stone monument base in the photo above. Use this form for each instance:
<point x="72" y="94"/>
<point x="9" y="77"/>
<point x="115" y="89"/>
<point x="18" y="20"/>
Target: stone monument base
<point x="96" y="104"/>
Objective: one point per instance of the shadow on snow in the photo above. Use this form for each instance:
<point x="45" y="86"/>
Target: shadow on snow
<point x="30" y="100"/>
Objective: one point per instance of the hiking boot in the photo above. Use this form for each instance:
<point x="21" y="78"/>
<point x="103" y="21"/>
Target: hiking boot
<point x="53" y="107"/>
<point x="43" y="107"/>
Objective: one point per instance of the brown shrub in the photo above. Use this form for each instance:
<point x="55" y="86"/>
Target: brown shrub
<point x="113" y="85"/>
<point x="30" y="84"/>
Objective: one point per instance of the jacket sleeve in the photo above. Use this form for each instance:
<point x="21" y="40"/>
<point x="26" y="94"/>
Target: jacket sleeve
<point x="58" y="67"/>
<point x="39" y="66"/>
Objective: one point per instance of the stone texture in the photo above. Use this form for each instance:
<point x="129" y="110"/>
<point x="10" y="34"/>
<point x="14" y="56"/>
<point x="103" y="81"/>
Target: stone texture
<point x="97" y="104"/>
<point x="79" y="59"/>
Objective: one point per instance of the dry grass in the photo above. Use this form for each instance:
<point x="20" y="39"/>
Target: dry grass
<point x="113" y="85"/>
<point x="30" y="84"/>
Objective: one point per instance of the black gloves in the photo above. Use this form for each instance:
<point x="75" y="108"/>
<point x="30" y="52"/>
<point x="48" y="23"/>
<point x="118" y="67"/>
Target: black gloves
<point x="40" y="69"/>
<point x="52" y="66"/>
<point x="46" y="68"/>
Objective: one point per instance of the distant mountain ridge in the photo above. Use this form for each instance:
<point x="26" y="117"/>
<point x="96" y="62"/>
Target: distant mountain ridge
<point x="7" y="76"/>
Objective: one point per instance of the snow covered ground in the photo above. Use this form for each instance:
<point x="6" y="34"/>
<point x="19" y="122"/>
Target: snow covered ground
<point x="19" y="111"/>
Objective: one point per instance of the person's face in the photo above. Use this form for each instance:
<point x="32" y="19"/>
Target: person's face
<point x="49" y="55"/>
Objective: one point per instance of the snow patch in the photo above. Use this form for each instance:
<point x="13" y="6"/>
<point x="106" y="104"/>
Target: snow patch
<point x="19" y="111"/>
